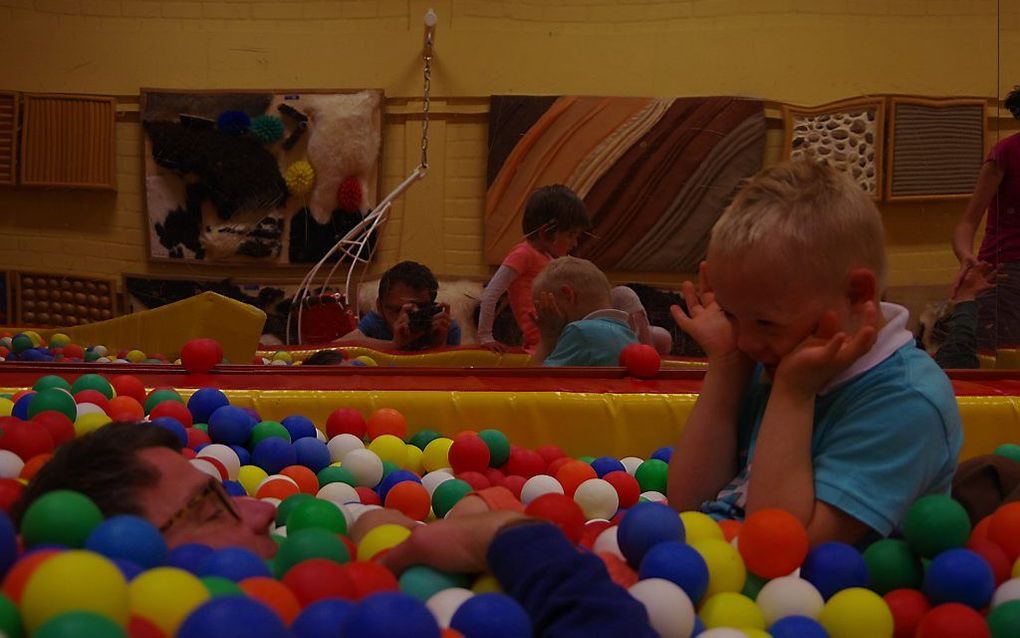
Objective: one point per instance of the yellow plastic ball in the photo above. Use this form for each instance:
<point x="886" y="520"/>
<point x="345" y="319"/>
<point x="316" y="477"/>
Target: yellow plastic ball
<point x="381" y="538"/>
<point x="730" y="609"/>
<point x="136" y="356"/>
<point x="6" y="406"/>
<point x="250" y="477"/>
<point x="856" y="612"/>
<point x="59" y="340"/>
<point x="165" y="596"/>
<point x="437" y="454"/>
<point x="1016" y="569"/>
<point x="75" y="580"/>
<point x="390" y="448"/>
<point x="755" y="633"/>
<point x="414" y="459"/>
<point x="726" y="571"/>
<point x="283" y="355"/>
<point x="700" y="526"/>
<point x="90" y="422"/>
<point x="487" y="584"/>
<point x="366" y="361"/>
<point x="34" y="336"/>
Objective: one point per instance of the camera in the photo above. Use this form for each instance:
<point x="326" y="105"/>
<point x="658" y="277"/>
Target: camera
<point x="420" y="319"/>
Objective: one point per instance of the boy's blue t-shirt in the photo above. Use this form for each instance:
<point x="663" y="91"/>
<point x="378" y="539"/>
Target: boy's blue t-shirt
<point x="374" y="325"/>
<point x="881" y="441"/>
<point x="595" y="340"/>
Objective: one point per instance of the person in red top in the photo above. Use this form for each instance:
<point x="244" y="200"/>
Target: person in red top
<point x="997" y="192"/>
<point x="554" y="219"/>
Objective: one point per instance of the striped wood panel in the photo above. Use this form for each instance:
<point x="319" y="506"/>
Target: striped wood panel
<point x="8" y="136"/>
<point x="69" y="141"/>
<point x="936" y="150"/>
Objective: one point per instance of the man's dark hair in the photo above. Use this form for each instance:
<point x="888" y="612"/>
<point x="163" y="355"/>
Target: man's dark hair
<point x="1013" y="102"/>
<point x="555" y="207"/>
<point x="413" y="275"/>
<point x="324" y="358"/>
<point x="104" y="466"/>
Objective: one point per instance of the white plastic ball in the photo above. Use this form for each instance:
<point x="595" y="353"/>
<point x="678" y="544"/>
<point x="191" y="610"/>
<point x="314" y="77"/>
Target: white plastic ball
<point x="10" y="464"/>
<point x="353" y="511"/>
<point x="669" y="609"/>
<point x="224" y="455"/>
<point x="102" y="351"/>
<point x="320" y="435"/>
<point x="608" y="542"/>
<point x="539" y="485"/>
<point x="444" y="604"/>
<point x="274" y="477"/>
<point x="119" y="360"/>
<point x="275" y="502"/>
<point x="365" y="466"/>
<point x="653" y="496"/>
<point x="1006" y="592"/>
<point x="722" y="632"/>
<point x="789" y="596"/>
<point x="341" y="444"/>
<point x="278" y="362"/>
<point x="597" y="498"/>
<point x="88" y="408"/>
<point x="103" y="360"/>
<point x="631" y="464"/>
<point x="339" y="493"/>
<point x="202" y="465"/>
<point x="281" y="531"/>
<point x="432" y="480"/>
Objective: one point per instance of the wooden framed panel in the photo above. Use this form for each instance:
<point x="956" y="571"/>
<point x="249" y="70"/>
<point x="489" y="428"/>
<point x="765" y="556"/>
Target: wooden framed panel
<point x="68" y="141"/>
<point x="8" y="137"/>
<point x="53" y="299"/>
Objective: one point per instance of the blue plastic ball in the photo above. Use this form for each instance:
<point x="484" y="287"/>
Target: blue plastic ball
<point x="189" y="556"/>
<point x="130" y="537"/>
<point x="312" y="453"/>
<point x="243" y="455"/>
<point x="8" y="544"/>
<point x="230" y="425"/>
<point x="699" y="627"/>
<point x="300" y="427"/>
<point x="204" y="402"/>
<point x="234" y="488"/>
<point x="797" y="627"/>
<point x="232" y="617"/>
<point x="128" y="568"/>
<point x="20" y="408"/>
<point x="273" y="454"/>
<point x="833" y="567"/>
<point x="678" y="563"/>
<point x="391" y="479"/>
<point x="321" y="619"/>
<point x="606" y="464"/>
<point x="173" y="425"/>
<point x="492" y="616"/>
<point x="959" y="576"/>
<point x="390" y="615"/>
<point x="644" y="526"/>
<point x="663" y="454"/>
<point x="233" y="563"/>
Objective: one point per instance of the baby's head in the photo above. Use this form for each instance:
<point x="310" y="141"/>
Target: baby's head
<point x="554" y="219"/>
<point x="578" y="286"/>
<point x="800" y="239"/>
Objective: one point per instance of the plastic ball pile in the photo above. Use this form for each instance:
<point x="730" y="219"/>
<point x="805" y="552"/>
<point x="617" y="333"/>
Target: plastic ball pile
<point x="76" y="574"/>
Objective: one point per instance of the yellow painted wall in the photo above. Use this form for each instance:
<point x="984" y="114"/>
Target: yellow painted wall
<point x="799" y="51"/>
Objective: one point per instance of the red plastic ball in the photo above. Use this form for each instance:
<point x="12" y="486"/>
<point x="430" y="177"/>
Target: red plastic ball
<point x="128" y="386"/>
<point x="125" y="408"/>
<point x="1004" y="529"/>
<point x="174" y="410"/>
<point x="908" y="607"/>
<point x="592" y="529"/>
<point x="641" y="361"/>
<point x="981" y="529"/>
<point x="318" y="578"/>
<point x="26" y="439"/>
<point x="773" y="543"/>
<point x="217" y="464"/>
<point x="386" y="421"/>
<point x="551" y="452"/>
<point x="60" y="427"/>
<point x="139" y="627"/>
<point x="515" y="484"/>
<point x="199" y="356"/>
<point x="188" y="453"/>
<point x="469" y="453"/>
<point x="370" y="578"/>
<point x="367" y="495"/>
<point x="10" y="492"/>
<point x="94" y="397"/>
<point x="346" y="421"/>
<point x="308" y="482"/>
<point x="730" y="529"/>
<point x="524" y="462"/>
<point x="572" y="474"/>
<point x="953" y="620"/>
<point x="476" y="480"/>
<point x="562" y="511"/>
<point x="555" y="465"/>
<point x="73" y="351"/>
<point x="626" y="486"/>
<point x="495" y="476"/>
<point x="409" y="498"/>
<point x="994" y="556"/>
<point x="197" y="437"/>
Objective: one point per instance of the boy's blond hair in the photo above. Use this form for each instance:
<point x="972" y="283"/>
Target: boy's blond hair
<point x="807" y="218"/>
<point x="588" y="282"/>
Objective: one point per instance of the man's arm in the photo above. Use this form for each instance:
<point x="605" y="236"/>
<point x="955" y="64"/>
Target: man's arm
<point x="358" y="338"/>
<point x="963" y="235"/>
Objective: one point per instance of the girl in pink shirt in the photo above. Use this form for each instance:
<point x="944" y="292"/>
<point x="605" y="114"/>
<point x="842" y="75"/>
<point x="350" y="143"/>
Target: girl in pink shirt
<point x="554" y="219"/>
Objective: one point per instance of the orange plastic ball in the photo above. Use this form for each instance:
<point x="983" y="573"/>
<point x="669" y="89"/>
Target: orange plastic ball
<point x="449" y="632"/>
<point x="1004" y="529"/>
<point x="125" y="408"/>
<point x="409" y="498"/>
<point x="16" y="579"/>
<point x="279" y="488"/>
<point x="572" y="473"/>
<point x="773" y="543"/>
<point x="730" y="529"/>
<point x="980" y="531"/>
<point x="308" y="482"/>
<point x="33" y="465"/>
<point x="274" y="595"/>
<point x="387" y="421"/>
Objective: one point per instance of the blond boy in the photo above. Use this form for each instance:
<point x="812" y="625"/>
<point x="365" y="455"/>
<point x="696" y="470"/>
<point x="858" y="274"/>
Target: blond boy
<point x="575" y="316"/>
<point x="816" y="400"/>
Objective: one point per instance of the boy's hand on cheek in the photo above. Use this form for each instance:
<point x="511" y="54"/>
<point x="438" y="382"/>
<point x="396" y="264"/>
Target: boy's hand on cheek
<point x="705" y="321"/>
<point x="549" y="317"/>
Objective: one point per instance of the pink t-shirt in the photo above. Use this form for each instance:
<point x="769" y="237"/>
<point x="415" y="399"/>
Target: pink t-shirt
<point x="527" y="262"/>
<point x="1002" y="230"/>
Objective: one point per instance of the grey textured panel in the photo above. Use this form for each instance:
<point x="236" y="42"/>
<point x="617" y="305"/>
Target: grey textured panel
<point x="937" y="151"/>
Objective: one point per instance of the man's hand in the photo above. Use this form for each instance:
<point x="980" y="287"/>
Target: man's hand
<point x="704" y="320"/>
<point x="978" y="278"/>
<point x="967" y="263"/>
<point x="402" y="334"/>
<point x="549" y="317"/>
<point x="441" y="326"/>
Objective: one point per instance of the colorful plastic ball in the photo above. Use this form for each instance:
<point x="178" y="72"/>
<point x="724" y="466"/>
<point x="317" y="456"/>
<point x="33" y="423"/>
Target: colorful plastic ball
<point x="524" y="462"/>
<point x="10" y="492"/>
<point x="410" y="499"/>
<point x="421" y="438"/>
<point x="204" y="402"/>
<point x="90" y="423"/>
<point x="892" y="565"/>
<point x="1004" y="529"/>
<point x="318" y="513"/>
<point x="93" y="382"/>
<point x="60" y="517"/>
<point x="26" y="439"/>
<point x="225" y="455"/>
<point x="219" y="587"/>
<point x="233" y="616"/>
<point x="559" y="509"/>
<point x="79" y="624"/>
<point x="539" y="485"/>
<point x="498" y="444"/>
<point x="1006" y="592"/>
<point x="312" y="453"/>
<point x="908" y="607"/>
<point x="129" y="537"/>
<point x="994" y="556"/>
<point x="174" y="410"/>
<point x="436" y="454"/>
<point x="959" y="576"/>
<point x="197" y="439"/>
<point x="317" y="579"/>
<point x="233" y="563"/>
<point x="789" y="596"/>
<point x="366" y="467"/>
<point x="1004" y="620"/>
<point x="832" y="567"/>
<point x="423" y="582"/>
<point x="468" y="453"/>
<point x="160" y="395"/>
<point x="386" y="421"/>
<point x="641" y="361"/>
<point x="267" y="429"/>
<point x="174" y="426"/>
<point x="74" y="581"/>
<point x="6" y="407"/>
<point x="188" y="556"/>
<point x="273" y="594"/>
<point x="125" y="408"/>
<point x="678" y="563"/>
<point x="651" y="476"/>
<point x="52" y="399"/>
<point x="670" y="611"/>
<point x="389" y="449"/>
<point x="276" y="486"/>
<point x="1009" y="450"/>
<point x="953" y="620"/>
<point x="60" y="427"/>
<point x="390" y="615"/>
<point x="730" y="609"/>
<point x="165" y="596"/>
<point x="797" y="627"/>
<point x="20" y="343"/>
<point x="299" y="427"/>
<point x="856" y="612"/>
<point x="380" y="539"/>
<point x="444" y="604"/>
<point x="51" y="381"/>
<point x="126" y="385"/>
<point x="726" y="571"/>
<point x="20" y="409"/>
<point x="346" y="421"/>
<point x="572" y="473"/>
<point x="321" y="619"/>
<point x="934" y="524"/>
<point x="199" y="356"/>
<point x="341" y="444"/>
<point x="273" y="454"/>
<point x="627" y="489"/>
<point x="597" y="498"/>
<point x="645" y="525"/>
<point x="306" y="544"/>
<point x="606" y="464"/>
<point x="773" y="543"/>
<point x="492" y="615"/>
<point x="10" y="619"/>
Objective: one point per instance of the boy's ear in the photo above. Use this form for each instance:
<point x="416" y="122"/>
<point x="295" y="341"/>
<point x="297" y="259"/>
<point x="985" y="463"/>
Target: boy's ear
<point x="569" y="293"/>
<point x="861" y="287"/>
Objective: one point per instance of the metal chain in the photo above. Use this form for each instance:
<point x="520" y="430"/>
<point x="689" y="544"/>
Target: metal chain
<point x="425" y="103"/>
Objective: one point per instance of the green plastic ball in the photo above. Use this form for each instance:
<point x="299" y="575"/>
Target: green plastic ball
<point x="202" y="426"/>
<point x="79" y="624"/>
<point x="10" y="619"/>
<point x="422" y="438"/>
<point x="893" y="565"/>
<point x="388" y="468"/>
<point x="92" y="382"/>
<point x="1004" y="621"/>
<point x="53" y="399"/>
<point x="651" y="475"/>
<point x="422" y="581"/>
<point x="219" y="587"/>
<point x="498" y="444"/>
<point x="586" y="459"/>
<point x="1009" y="450"/>
<point x="265" y="430"/>
<point x="334" y="474"/>
<point x="934" y="524"/>
<point x="21" y="342"/>
<point x="287" y="506"/>
<point x="753" y="585"/>
<point x="91" y="356"/>
<point x="60" y="517"/>
<point x="159" y="396"/>
<point x="51" y="381"/>
<point x="304" y="544"/>
<point x="447" y="494"/>
<point x="316" y="513"/>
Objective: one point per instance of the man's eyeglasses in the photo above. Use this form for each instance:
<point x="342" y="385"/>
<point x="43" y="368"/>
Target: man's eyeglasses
<point x="212" y="497"/>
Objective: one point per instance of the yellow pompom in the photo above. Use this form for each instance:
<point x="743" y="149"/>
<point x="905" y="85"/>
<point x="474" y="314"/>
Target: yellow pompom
<point x="300" y="176"/>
